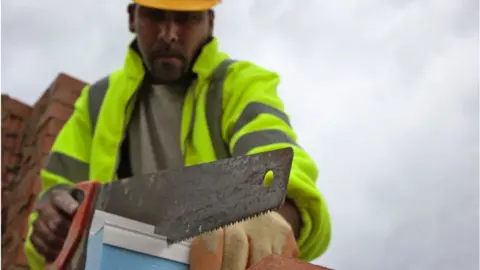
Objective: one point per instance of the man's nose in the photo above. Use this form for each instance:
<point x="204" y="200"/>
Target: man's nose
<point x="168" y="31"/>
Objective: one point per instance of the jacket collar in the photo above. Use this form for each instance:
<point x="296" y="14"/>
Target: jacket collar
<point x="207" y="60"/>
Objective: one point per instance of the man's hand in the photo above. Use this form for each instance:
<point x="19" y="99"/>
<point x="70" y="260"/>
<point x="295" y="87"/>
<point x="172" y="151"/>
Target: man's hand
<point x="50" y="229"/>
<point x="244" y="244"/>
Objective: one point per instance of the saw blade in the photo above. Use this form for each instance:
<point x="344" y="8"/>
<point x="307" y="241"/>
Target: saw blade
<point x="185" y="202"/>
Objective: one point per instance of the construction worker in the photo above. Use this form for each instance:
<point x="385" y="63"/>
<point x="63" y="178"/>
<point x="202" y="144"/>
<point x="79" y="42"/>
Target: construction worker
<point x="179" y="101"/>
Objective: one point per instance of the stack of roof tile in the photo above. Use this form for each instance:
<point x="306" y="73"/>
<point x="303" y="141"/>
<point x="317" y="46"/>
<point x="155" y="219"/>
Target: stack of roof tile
<point x="27" y="136"/>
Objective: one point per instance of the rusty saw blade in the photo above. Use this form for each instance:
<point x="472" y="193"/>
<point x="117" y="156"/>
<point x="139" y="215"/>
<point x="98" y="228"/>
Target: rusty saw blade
<point x="185" y="202"/>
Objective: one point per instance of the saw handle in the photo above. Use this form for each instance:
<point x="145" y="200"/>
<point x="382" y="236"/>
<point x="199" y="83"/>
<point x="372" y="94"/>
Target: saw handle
<point x="84" y="193"/>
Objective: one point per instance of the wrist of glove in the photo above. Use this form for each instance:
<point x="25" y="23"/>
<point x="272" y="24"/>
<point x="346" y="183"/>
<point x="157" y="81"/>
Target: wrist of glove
<point x="239" y="246"/>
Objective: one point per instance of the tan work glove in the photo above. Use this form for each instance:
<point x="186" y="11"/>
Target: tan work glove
<point x="244" y="244"/>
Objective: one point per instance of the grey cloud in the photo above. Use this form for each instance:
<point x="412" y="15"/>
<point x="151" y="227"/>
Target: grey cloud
<point x="383" y="94"/>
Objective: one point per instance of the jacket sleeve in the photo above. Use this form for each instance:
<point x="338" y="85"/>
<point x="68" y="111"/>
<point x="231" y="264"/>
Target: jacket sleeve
<point x="68" y="163"/>
<point x="254" y="120"/>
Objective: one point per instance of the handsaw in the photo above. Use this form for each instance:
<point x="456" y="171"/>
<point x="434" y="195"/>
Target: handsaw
<point x="181" y="203"/>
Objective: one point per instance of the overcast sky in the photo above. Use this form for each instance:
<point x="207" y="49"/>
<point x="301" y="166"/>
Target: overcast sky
<point x="382" y="93"/>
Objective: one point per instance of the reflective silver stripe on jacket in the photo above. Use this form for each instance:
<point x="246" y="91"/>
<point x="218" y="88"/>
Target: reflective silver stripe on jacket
<point x="96" y="95"/>
<point x="214" y="109"/>
<point x="67" y="167"/>
<point x="259" y="138"/>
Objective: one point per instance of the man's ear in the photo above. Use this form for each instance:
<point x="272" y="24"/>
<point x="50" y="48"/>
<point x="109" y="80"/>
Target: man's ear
<point x="211" y="20"/>
<point x="131" y="17"/>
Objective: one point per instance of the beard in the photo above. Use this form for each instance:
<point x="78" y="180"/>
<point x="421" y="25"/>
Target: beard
<point x="168" y="70"/>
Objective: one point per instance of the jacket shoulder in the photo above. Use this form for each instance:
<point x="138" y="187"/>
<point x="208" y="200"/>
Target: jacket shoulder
<point x="247" y="68"/>
<point x="242" y="75"/>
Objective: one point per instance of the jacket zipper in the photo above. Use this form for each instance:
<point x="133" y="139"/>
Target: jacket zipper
<point x="124" y="128"/>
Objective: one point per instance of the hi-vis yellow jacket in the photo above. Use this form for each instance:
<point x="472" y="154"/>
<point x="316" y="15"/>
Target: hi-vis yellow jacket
<point x="231" y="109"/>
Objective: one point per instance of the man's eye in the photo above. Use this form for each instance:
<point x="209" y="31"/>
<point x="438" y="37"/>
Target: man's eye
<point x="195" y="16"/>
<point x="157" y="16"/>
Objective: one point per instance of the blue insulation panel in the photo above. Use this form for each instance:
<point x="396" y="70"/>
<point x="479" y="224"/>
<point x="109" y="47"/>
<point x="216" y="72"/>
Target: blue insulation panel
<point x="102" y="256"/>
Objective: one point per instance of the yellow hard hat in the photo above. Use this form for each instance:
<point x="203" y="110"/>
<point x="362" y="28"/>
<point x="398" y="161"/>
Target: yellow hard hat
<point x="179" y="5"/>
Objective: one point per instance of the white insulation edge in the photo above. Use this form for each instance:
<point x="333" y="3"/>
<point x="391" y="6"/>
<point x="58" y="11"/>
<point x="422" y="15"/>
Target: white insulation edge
<point x="136" y="236"/>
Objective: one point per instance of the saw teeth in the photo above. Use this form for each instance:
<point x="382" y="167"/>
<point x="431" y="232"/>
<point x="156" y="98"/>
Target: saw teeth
<point x="169" y="243"/>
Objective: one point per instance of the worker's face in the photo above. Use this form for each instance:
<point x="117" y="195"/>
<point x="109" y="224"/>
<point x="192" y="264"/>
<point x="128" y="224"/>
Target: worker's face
<point x="169" y="40"/>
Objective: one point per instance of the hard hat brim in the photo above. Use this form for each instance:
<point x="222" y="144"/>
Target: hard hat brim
<point x="179" y="5"/>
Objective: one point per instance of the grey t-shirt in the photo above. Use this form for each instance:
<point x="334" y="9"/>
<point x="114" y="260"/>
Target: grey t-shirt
<point x="155" y="129"/>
